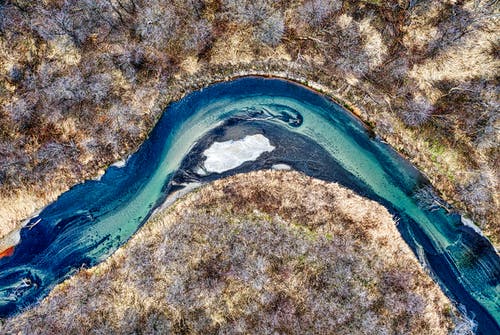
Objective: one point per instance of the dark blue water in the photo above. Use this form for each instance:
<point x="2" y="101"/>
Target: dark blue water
<point x="310" y="133"/>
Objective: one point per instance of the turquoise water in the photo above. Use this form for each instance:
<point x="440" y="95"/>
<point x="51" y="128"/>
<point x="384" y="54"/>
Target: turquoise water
<point x="311" y="133"/>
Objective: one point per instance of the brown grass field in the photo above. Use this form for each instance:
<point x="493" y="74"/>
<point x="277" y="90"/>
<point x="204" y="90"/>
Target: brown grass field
<point x="260" y="253"/>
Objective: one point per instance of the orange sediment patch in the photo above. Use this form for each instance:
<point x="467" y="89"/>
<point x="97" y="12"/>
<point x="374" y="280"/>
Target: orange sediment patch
<point x="7" y="252"/>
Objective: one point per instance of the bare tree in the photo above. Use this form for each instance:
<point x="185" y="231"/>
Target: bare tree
<point x="427" y="198"/>
<point x="271" y="30"/>
<point x="124" y="9"/>
<point x="314" y="12"/>
<point x="463" y="325"/>
<point x="19" y="110"/>
<point x="98" y="87"/>
<point x="200" y="35"/>
<point x="66" y="90"/>
<point x="80" y="19"/>
<point x="489" y="136"/>
<point x="418" y="112"/>
<point x="157" y="25"/>
<point x="247" y="11"/>
<point x="476" y="192"/>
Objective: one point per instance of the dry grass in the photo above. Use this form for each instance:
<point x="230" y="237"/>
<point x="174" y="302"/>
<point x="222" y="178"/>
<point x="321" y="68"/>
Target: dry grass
<point x="81" y="83"/>
<point x="257" y="253"/>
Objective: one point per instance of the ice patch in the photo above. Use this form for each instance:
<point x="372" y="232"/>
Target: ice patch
<point x="224" y="156"/>
<point x="119" y="164"/>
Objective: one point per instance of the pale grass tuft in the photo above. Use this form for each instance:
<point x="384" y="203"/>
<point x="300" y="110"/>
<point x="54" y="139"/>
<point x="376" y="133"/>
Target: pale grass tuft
<point x="374" y="46"/>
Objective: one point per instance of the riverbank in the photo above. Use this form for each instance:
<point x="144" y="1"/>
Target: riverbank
<point x="211" y="262"/>
<point x="21" y="207"/>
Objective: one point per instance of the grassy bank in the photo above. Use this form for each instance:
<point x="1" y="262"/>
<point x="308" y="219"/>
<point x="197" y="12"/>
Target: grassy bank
<point x="255" y="253"/>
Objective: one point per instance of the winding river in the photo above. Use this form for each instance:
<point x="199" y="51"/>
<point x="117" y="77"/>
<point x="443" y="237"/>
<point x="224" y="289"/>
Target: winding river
<point x="285" y="125"/>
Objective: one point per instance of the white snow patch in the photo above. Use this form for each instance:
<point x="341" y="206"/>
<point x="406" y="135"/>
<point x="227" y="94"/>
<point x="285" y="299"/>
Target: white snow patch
<point x="12" y="239"/>
<point x="468" y="222"/>
<point x="224" y="156"/>
<point x="121" y="163"/>
<point x="99" y="175"/>
<point x="281" y="166"/>
<point x="199" y="170"/>
<point x="176" y="195"/>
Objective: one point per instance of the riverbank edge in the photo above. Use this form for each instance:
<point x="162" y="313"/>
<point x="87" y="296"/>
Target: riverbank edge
<point x="351" y="95"/>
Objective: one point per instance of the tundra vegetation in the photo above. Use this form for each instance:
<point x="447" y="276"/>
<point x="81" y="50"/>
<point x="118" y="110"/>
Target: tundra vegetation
<point x="258" y="253"/>
<point x="82" y="82"/>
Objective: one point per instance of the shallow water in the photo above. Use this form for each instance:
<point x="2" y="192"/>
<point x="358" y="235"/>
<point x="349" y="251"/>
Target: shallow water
<point x="309" y="132"/>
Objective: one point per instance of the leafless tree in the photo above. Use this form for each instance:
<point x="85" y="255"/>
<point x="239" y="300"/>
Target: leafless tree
<point x="427" y="198"/>
<point x="246" y="11"/>
<point x="314" y="12"/>
<point x="476" y="193"/>
<point x="98" y="87"/>
<point x="19" y="110"/>
<point x="271" y="30"/>
<point x="66" y="90"/>
<point x="200" y="35"/>
<point x="418" y="112"/>
<point x="157" y="25"/>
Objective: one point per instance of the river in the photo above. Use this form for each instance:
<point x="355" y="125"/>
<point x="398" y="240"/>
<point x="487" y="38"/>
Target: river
<point x="294" y="127"/>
